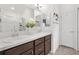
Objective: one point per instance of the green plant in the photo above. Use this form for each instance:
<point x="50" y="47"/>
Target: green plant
<point x="30" y="23"/>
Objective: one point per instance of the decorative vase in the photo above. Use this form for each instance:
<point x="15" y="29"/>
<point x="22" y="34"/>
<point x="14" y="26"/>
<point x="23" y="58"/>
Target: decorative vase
<point x="30" y="31"/>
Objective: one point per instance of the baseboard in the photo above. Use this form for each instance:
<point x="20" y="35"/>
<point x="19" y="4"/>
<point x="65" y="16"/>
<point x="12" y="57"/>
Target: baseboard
<point x="54" y="50"/>
<point x="66" y="46"/>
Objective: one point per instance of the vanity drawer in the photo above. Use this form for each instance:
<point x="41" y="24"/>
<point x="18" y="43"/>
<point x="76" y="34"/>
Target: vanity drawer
<point x="38" y="41"/>
<point x="48" y="37"/>
<point x="29" y="52"/>
<point x="39" y="49"/>
<point x="19" y="49"/>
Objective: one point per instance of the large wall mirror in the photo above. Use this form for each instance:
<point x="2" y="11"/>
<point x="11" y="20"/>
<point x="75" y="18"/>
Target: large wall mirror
<point x="13" y="18"/>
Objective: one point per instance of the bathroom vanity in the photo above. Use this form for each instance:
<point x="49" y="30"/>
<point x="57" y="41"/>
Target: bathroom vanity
<point x="37" y="44"/>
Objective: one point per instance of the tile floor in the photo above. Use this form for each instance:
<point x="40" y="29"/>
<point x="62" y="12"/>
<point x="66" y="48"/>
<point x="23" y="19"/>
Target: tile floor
<point x="63" y="50"/>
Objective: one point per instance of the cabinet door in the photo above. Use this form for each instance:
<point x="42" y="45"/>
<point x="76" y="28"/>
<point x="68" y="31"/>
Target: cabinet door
<point x="47" y="46"/>
<point x="39" y="49"/>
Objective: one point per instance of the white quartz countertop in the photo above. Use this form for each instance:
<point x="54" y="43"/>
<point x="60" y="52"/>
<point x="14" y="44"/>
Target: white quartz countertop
<point x="15" y="41"/>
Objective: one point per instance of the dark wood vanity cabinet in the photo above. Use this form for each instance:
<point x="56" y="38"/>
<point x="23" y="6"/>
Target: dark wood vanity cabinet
<point x="26" y="48"/>
<point x="47" y="44"/>
<point x="41" y="46"/>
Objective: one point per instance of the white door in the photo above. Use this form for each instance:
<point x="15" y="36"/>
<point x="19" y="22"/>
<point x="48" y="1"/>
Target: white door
<point x="78" y="29"/>
<point x="68" y="25"/>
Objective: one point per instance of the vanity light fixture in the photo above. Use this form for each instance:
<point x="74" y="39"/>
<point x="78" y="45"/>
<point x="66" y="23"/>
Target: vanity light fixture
<point x="38" y="6"/>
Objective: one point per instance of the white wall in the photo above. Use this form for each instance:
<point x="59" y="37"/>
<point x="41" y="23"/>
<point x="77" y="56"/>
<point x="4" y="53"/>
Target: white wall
<point x="50" y="9"/>
<point x="56" y="29"/>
